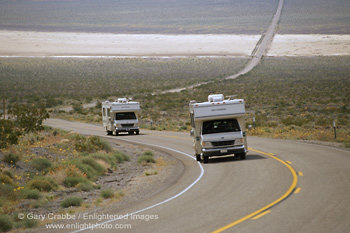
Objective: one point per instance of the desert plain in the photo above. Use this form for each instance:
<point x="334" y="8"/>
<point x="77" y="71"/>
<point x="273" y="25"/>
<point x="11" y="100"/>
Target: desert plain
<point x="61" y="44"/>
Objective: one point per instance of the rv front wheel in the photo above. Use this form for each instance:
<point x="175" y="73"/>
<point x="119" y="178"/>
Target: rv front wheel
<point x="198" y="157"/>
<point x="205" y="159"/>
<point x="109" y="132"/>
<point x="242" y="156"/>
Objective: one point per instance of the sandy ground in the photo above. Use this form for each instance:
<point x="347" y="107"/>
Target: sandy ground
<point x="38" y="44"/>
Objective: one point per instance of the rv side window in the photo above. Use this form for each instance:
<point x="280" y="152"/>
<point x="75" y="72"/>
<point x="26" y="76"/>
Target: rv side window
<point x="108" y="112"/>
<point x="125" y="116"/>
<point x="220" y="126"/>
<point x="104" y="112"/>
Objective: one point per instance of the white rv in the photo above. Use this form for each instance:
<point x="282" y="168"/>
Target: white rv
<point x="120" y="116"/>
<point x="218" y="127"/>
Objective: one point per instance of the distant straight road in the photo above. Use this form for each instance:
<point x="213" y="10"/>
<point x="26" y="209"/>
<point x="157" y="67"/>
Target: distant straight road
<point x="263" y="44"/>
<point x="259" y="51"/>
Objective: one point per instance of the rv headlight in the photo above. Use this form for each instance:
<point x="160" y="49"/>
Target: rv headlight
<point x="204" y="143"/>
<point x="239" y="141"/>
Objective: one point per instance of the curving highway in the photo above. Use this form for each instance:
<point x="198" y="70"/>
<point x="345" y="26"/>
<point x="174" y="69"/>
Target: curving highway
<point x="282" y="186"/>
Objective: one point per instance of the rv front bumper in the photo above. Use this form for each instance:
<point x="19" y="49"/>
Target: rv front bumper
<point x="127" y="130"/>
<point x="224" y="151"/>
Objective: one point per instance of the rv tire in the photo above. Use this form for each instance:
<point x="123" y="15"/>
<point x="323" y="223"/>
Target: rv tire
<point x="198" y="157"/>
<point x="116" y="133"/>
<point x="109" y="132"/>
<point x="205" y="159"/>
<point x="242" y="156"/>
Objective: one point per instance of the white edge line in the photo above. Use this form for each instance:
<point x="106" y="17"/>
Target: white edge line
<point x="160" y="203"/>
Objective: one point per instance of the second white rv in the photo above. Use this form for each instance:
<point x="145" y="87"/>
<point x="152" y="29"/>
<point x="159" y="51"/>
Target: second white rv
<point x="218" y="127"/>
<point x="120" y="116"/>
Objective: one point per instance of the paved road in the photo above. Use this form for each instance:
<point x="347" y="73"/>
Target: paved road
<point x="259" y="51"/>
<point x="282" y="186"/>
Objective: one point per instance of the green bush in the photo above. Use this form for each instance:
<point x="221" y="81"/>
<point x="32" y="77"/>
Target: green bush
<point x="108" y="158"/>
<point x="10" y="158"/>
<point x="71" y="201"/>
<point x="121" y="157"/>
<point x="107" y="193"/>
<point x="147" y="157"/>
<point x="5" y="223"/>
<point x="8" y="133"/>
<point x="91" y="144"/>
<point x="85" y="186"/>
<point x="88" y="170"/>
<point x="92" y="163"/>
<point x="7" y="191"/>
<point x="26" y="223"/>
<point x="40" y="164"/>
<point x="5" y="179"/>
<point x="42" y="183"/>
<point x="73" y="181"/>
<point x="30" y="194"/>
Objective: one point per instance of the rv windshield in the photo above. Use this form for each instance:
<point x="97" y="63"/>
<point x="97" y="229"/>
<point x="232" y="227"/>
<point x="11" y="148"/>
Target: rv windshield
<point x="220" y="126"/>
<point x="125" y="116"/>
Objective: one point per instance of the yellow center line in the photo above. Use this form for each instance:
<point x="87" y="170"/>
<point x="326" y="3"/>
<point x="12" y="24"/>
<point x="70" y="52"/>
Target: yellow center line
<point x="289" y="191"/>
<point x="297" y="190"/>
<point x="262" y="214"/>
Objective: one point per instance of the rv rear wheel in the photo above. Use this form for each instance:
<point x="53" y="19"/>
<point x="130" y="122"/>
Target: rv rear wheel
<point x="116" y="133"/>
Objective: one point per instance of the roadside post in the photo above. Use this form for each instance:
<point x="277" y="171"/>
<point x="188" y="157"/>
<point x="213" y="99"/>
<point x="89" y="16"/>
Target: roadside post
<point x="335" y="130"/>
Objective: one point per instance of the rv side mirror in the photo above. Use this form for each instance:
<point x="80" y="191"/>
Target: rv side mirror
<point x="192" y="133"/>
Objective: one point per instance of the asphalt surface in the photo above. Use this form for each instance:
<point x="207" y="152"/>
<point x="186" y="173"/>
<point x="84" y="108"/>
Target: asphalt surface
<point x="282" y="186"/>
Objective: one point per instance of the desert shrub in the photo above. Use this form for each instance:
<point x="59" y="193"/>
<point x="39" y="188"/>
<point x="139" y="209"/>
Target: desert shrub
<point x="30" y="194"/>
<point x="60" y="173"/>
<point x="42" y="183"/>
<point x="71" y="201"/>
<point x="73" y="181"/>
<point x="91" y="144"/>
<point x="29" y="117"/>
<point x="10" y="158"/>
<point x="26" y="223"/>
<point x="6" y="223"/>
<point x="7" y="191"/>
<point x="121" y="157"/>
<point x="108" y="158"/>
<point x="92" y="163"/>
<point x="107" y="193"/>
<point x="99" y="143"/>
<point x="147" y="157"/>
<point x="40" y="164"/>
<point x="5" y="179"/>
<point x="8" y="133"/>
<point x="86" y="169"/>
<point x="85" y="186"/>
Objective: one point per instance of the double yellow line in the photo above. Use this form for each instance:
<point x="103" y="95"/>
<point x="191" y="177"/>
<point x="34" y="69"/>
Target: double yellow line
<point x="265" y="210"/>
<point x="261" y="212"/>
